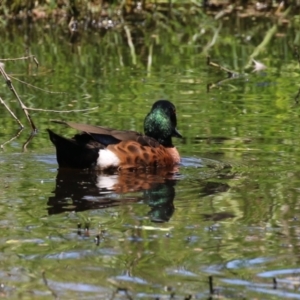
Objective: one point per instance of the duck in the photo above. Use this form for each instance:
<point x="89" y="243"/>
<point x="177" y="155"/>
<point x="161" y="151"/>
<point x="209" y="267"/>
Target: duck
<point x="104" y="149"/>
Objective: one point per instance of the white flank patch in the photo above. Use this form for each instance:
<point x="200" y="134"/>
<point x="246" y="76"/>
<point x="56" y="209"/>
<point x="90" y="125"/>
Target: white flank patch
<point x="107" y="159"/>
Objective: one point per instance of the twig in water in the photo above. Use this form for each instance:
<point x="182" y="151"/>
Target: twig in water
<point x="21" y="58"/>
<point x="213" y="85"/>
<point x="47" y="285"/>
<point x="274" y="283"/>
<point x="211" y="285"/>
<point x="14" y="137"/>
<point x="11" y="87"/>
<point x="12" y="114"/>
<point x="130" y="44"/>
<point x="231" y="74"/>
<point x="215" y="65"/>
<point x="37" y="88"/>
<point x="149" y="62"/>
<point x="214" y="39"/>
<point x="24" y="147"/>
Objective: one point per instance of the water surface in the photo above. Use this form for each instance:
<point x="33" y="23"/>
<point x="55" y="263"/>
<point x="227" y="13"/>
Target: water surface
<point x="231" y="211"/>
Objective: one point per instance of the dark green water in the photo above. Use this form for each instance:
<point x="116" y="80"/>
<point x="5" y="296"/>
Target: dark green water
<point x="231" y="212"/>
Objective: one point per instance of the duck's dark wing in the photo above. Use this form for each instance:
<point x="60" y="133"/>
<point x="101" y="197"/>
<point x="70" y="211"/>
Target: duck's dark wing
<point x="108" y="136"/>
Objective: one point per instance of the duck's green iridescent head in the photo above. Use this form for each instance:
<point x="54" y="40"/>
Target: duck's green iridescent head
<point x="161" y="123"/>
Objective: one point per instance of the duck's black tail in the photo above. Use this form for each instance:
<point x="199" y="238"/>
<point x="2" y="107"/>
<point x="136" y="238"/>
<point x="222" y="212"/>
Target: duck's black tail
<point x="75" y="153"/>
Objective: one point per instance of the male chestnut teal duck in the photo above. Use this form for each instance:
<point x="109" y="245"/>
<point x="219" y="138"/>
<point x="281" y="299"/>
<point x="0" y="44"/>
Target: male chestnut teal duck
<point x="105" y="148"/>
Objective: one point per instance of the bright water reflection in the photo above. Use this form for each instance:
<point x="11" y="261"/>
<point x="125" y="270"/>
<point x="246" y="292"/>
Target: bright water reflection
<point x="230" y="211"/>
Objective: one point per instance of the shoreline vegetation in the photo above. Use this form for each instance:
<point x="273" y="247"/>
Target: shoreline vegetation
<point x="145" y="24"/>
<point x="110" y="14"/>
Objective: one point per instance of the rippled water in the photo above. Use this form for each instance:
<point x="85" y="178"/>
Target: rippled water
<point x="230" y="212"/>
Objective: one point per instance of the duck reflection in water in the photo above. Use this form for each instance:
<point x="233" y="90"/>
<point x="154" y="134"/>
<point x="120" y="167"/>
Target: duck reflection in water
<point x="84" y="190"/>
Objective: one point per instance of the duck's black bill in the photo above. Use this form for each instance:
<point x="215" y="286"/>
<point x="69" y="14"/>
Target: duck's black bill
<point x="176" y="133"/>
